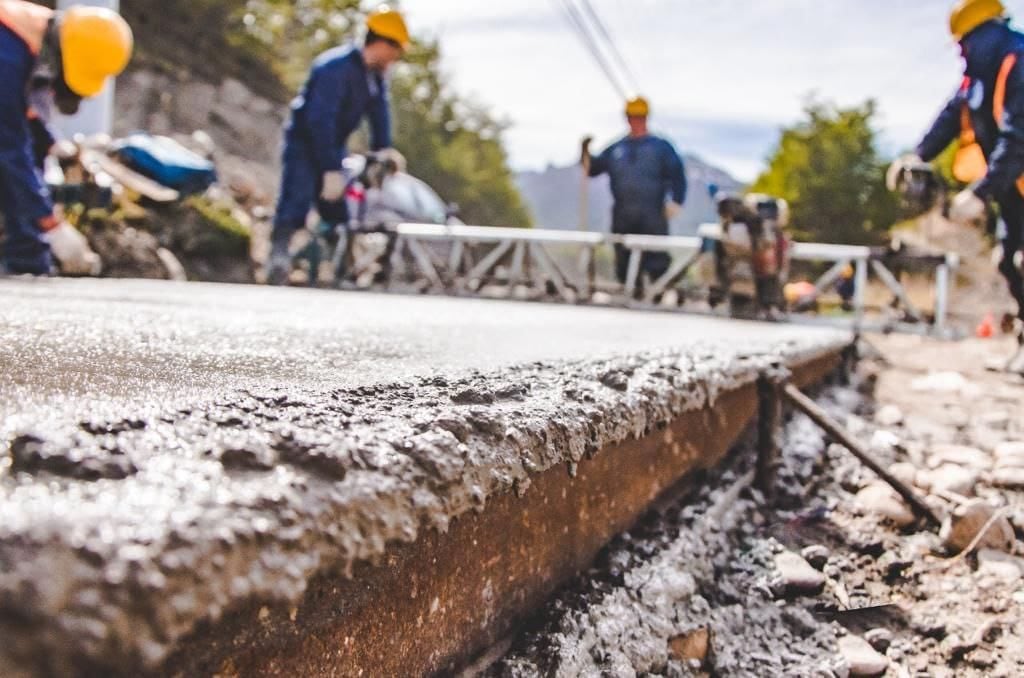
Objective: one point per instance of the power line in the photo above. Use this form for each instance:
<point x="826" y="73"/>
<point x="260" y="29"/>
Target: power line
<point x="602" y="28"/>
<point x="583" y="31"/>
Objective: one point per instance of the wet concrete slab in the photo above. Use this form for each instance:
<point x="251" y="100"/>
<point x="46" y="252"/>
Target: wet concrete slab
<point x="177" y="452"/>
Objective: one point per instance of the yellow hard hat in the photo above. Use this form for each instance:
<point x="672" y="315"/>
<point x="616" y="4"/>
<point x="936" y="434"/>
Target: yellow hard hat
<point x="638" y="107"/>
<point x="390" y="24"/>
<point x="969" y="14"/>
<point x="96" y="44"/>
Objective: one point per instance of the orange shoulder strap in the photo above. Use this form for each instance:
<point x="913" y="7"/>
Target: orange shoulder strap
<point x="999" y="99"/>
<point x="967" y="135"/>
<point x="999" y="96"/>
<point x="27" y="20"/>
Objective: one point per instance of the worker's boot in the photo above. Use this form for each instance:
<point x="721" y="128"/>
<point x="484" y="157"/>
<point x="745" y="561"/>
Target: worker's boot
<point x="1016" y="363"/>
<point x="279" y="265"/>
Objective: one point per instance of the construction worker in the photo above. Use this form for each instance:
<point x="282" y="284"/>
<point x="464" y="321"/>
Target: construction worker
<point x="345" y="85"/>
<point x="987" y="115"/>
<point x="47" y="59"/>
<point x="644" y="170"/>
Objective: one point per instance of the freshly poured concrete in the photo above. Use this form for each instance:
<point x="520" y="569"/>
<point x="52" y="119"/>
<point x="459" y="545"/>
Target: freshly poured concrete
<point x="177" y="451"/>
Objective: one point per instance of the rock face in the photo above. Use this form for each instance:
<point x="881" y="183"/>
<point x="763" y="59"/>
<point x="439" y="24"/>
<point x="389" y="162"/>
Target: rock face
<point x="131" y="253"/>
<point x="967" y="522"/>
<point x="239" y="121"/>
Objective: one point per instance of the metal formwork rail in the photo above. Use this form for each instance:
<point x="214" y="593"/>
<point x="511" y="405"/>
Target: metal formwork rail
<point x="463" y="259"/>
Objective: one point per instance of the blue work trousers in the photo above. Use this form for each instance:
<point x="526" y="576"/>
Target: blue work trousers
<point x="301" y="185"/>
<point x="640" y="220"/>
<point x="25" y="249"/>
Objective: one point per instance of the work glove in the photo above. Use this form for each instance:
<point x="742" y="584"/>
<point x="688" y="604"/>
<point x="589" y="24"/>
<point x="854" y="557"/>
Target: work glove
<point x="72" y="250"/>
<point x="910" y="161"/>
<point x="967" y="208"/>
<point x="334" y="186"/>
<point x="673" y="210"/>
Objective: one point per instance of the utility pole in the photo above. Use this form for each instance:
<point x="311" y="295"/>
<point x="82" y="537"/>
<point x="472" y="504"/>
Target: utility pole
<point x="96" y="115"/>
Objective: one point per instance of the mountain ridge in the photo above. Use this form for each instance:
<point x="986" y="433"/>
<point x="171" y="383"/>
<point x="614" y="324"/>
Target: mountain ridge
<point x="553" y="197"/>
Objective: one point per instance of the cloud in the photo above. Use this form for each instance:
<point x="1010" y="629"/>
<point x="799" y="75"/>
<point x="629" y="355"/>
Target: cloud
<point x="723" y="76"/>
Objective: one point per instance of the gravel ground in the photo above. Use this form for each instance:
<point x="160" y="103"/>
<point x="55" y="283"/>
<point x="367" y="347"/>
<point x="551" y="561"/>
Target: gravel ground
<point x="835" y="577"/>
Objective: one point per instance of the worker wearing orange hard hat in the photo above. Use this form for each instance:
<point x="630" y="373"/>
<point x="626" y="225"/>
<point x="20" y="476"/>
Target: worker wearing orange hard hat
<point x="47" y="59"/>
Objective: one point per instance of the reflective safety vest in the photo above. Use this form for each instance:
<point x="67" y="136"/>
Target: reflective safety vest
<point x="27" y="20"/>
<point x="970" y="164"/>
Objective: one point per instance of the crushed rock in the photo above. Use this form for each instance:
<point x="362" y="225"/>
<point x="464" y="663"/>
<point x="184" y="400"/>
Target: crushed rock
<point x="701" y="564"/>
<point x="922" y="612"/>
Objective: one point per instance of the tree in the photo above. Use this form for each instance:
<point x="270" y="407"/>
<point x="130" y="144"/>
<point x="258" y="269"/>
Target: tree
<point x="453" y="144"/>
<point x="829" y="169"/>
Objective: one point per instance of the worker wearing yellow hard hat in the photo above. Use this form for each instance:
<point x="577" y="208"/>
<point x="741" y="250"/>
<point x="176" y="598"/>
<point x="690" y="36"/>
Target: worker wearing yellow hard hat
<point x="968" y="15"/>
<point x="345" y="85"/>
<point x="638" y="107"/>
<point x="47" y="59"/>
<point x="648" y="182"/>
<point x="986" y="118"/>
<point x="389" y="24"/>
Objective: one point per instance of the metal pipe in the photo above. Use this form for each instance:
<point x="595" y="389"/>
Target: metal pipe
<point x="769" y="418"/>
<point x="941" y="298"/>
<point x="860" y="293"/>
<point x="844" y="438"/>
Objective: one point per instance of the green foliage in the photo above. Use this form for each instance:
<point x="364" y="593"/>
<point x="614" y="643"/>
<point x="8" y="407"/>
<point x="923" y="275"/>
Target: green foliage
<point x="830" y="171"/>
<point x="289" y="34"/>
<point x="195" y="39"/>
<point x="214" y="230"/>
<point x="453" y="144"/>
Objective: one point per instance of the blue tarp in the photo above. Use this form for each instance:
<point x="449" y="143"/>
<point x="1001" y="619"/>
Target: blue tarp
<point x="167" y="162"/>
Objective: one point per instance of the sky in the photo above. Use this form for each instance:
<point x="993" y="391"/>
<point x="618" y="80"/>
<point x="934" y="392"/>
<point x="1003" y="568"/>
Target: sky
<point x="723" y="76"/>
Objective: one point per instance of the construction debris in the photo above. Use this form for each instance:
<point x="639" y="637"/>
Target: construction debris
<point x="195" y="230"/>
<point x="895" y="602"/>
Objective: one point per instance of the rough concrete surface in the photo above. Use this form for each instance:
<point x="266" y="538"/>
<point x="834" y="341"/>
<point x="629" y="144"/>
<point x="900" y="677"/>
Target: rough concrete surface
<point x="899" y="600"/>
<point x="705" y="563"/>
<point x="175" y="451"/>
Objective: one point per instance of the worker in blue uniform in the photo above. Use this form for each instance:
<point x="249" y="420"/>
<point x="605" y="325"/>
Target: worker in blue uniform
<point x="645" y="170"/>
<point x="345" y="85"/>
<point x="47" y="59"/>
<point x="986" y="115"/>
